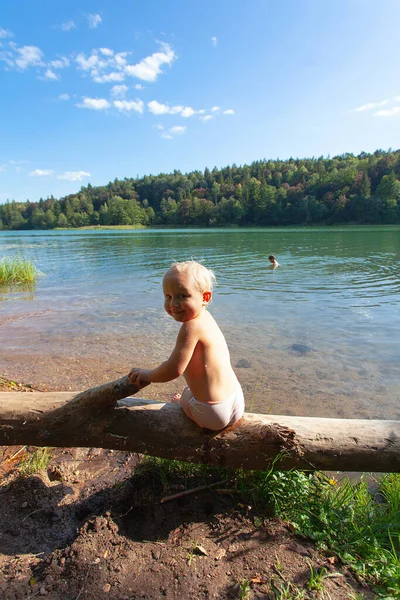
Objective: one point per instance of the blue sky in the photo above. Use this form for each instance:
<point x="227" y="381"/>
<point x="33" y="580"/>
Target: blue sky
<point x="94" y="90"/>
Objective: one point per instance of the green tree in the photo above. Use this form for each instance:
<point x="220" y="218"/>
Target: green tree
<point x="62" y="220"/>
<point x="389" y="187"/>
<point x="38" y="219"/>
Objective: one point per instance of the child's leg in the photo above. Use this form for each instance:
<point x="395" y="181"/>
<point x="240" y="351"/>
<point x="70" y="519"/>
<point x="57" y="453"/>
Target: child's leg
<point x="185" y="403"/>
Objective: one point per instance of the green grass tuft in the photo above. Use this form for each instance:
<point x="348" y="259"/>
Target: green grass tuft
<point x="15" y="270"/>
<point x="35" y="462"/>
<point x="346" y="519"/>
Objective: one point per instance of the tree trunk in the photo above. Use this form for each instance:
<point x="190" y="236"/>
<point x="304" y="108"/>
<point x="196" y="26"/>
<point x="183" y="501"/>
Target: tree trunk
<point x="91" y="419"/>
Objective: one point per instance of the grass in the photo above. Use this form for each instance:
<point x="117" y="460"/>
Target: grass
<point x="286" y="590"/>
<point x="244" y="589"/>
<point x="15" y="270"/>
<point x="347" y="520"/>
<point x="344" y="518"/>
<point x="35" y="462"/>
<point x="191" y="555"/>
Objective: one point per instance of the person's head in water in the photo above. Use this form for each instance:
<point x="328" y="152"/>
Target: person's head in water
<point x="273" y="260"/>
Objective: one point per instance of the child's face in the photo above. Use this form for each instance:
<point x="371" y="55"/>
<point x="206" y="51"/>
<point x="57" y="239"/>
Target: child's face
<point x="182" y="298"/>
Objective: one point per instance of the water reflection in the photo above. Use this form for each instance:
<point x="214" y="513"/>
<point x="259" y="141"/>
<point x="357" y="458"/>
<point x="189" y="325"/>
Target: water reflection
<point x="20" y="291"/>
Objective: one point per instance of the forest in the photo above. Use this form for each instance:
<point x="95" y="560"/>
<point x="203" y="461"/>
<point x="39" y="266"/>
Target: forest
<point x="362" y="189"/>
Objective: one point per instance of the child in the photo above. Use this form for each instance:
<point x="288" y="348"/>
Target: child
<point x="213" y="398"/>
<point x="273" y="260"/>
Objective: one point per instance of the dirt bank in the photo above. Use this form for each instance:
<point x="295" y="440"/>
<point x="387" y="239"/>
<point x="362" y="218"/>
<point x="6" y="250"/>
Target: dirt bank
<point x="89" y="527"/>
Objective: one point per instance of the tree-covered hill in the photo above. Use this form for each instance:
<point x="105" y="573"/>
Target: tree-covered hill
<point x="346" y="188"/>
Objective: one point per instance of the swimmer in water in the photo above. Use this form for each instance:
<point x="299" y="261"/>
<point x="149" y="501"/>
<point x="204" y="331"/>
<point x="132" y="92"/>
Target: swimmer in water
<point x="273" y="261"/>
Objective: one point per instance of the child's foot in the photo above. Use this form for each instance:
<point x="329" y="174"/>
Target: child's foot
<point x="176" y="399"/>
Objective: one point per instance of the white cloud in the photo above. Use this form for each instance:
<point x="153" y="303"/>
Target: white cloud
<point x="163" y="109"/>
<point x="4" y="33"/>
<point x="28" y="56"/>
<point x="94" y="103"/>
<point x="228" y="112"/>
<point x="129" y="105"/>
<point x="18" y="162"/>
<point x="115" y="76"/>
<point x="93" y="62"/>
<point x="59" y="63"/>
<point x="73" y="175"/>
<point x="107" y="51"/>
<point x="118" y="91"/>
<point x="7" y="57"/>
<point x="161" y="127"/>
<point x="390" y="112"/>
<point x="49" y="74"/>
<point x="178" y="129"/>
<point x="13" y="164"/>
<point x="188" y="111"/>
<point x="170" y="133"/>
<point x="67" y="175"/>
<point x="370" y="106"/>
<point x="100" y="62"/>
<point x="94" y="21"/>
<point x="157" y="108"/>
<point x="215" y="108"/>
<point x="102" y="65"/>
<point x="214" y="40"/>
<point x="150" y="67"/>
<point x="120" y="59"/>
<point x="139" y="86"/>
<point x="68" y="25"/>
<point x="63" y="97"/>
<point x="41" y="173"/>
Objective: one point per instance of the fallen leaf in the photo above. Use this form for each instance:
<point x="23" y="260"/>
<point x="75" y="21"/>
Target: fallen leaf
<point x="256" y="579"/>
<point x="201" y="550"/>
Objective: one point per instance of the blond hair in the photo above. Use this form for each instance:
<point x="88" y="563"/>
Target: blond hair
<point x="203" y="277"/>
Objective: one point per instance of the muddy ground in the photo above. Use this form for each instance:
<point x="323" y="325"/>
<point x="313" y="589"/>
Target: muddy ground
<point x="88" y="527"/>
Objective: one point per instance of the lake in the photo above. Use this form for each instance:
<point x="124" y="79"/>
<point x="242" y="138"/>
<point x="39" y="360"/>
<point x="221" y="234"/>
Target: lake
<point x="318" y="336"/>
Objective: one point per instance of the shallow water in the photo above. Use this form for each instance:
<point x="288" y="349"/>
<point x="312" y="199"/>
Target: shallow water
<point x="318" y="336"/>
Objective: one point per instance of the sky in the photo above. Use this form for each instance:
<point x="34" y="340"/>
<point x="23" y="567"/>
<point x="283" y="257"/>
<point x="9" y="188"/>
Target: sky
<point x="92" y="90"/>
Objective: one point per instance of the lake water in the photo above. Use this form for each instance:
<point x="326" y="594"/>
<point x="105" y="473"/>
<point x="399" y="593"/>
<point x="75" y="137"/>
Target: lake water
<point x="318" y="336"/>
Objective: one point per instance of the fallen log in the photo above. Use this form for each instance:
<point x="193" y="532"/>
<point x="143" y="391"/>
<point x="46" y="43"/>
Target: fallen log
<point x="93" y="419"/>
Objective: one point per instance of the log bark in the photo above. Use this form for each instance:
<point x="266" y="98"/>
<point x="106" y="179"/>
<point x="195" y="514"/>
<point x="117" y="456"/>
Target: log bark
<point x="93" y="419"/>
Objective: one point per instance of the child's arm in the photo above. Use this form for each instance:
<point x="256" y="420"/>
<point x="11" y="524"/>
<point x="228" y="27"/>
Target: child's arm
<point x="176" y="363"/>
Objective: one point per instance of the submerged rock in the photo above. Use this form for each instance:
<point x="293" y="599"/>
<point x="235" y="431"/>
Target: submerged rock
<point x="301" y="348"/>
<point x="243" y="364"/>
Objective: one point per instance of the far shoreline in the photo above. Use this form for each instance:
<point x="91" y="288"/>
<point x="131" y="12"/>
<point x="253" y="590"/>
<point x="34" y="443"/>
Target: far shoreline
<point x="387" y="226"/>
<point x="232" y="226"/>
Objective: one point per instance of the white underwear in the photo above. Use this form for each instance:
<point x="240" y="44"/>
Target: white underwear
<point x="217" y="416"/>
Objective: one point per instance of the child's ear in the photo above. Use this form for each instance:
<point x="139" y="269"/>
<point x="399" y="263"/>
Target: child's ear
<point x="207" y="297"/>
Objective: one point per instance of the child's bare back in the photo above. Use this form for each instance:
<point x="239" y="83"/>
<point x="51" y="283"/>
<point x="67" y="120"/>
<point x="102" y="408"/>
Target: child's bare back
<point x="213" y="398"/>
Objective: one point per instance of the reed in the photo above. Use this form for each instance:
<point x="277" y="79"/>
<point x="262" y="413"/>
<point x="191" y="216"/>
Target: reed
<point x="15" y="270"/>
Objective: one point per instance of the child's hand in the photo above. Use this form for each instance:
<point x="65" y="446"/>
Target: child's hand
<point x="136" y="376"/>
